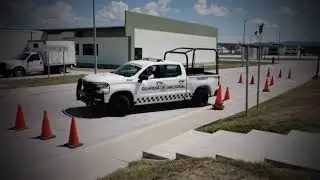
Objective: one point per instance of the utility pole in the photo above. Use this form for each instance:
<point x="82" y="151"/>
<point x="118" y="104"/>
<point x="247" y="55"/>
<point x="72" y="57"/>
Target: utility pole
<point x="247" y="78"/>
<point x="258" y="81"/>
<point x="279" y="45"/>
<point x="94" y="38"/>
<point x="243" y="38"/>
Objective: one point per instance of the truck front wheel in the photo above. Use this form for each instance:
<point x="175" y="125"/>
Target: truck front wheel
<point x="18" y="72"/>
<point x="200" y="98"/>
<point x="120" y="105"/>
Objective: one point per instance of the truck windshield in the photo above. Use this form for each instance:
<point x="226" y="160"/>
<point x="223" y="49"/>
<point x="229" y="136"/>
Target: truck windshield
<point x="127" y="70"/>
<point x="23" y="56"/>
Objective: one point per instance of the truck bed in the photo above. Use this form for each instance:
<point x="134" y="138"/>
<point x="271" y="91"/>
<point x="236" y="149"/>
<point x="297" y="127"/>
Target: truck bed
<point x="198" y="72"/>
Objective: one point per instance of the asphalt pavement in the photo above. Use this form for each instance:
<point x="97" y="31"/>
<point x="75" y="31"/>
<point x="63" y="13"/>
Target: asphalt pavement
<point x="25" y="157"/>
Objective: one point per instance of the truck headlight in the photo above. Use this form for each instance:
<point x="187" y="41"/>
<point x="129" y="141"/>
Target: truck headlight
<point x="104" y="87"/>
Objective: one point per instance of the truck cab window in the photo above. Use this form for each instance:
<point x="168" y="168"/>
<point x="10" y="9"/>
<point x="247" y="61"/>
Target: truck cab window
<point x="172" y="71"/>
<point x="34" y="57"/>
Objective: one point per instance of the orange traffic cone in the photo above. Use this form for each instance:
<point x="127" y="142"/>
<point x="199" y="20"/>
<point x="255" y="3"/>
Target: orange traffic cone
<point x="227" y="95"/>
<point x="46" y="132"/>
<point x="240" y="79"/>
<point x="266" y="86"/>
<point x="271" y="81"/>
<point x="20" y="121"/>
<point x="252" y="80"/>
<point x="73" y="136"/>
<point x="268" y="74"/>
<point x="219" y="103"/>
<point x="280" y="74"/>
<point x="289" y="75"/>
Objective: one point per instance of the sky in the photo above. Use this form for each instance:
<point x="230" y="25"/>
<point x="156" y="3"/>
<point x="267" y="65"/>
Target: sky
<point x="296" y="20"/>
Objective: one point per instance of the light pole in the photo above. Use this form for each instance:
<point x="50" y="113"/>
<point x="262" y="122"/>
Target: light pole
<point x="278" y="44"/>
<point x="94" y="37"/>
<point x="243" y="37"/>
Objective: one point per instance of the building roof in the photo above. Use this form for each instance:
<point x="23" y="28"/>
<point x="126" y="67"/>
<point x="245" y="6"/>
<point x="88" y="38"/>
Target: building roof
<point x="60" y="30"/>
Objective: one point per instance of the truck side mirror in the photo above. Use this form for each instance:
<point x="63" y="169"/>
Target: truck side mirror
<point x="143" y="77"/>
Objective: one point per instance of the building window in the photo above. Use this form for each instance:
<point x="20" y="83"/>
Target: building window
<point x="89" y="50"/>
<point x="77" y="49"/>
<point x="35" y="45"/>
<point x="137" y="53"/>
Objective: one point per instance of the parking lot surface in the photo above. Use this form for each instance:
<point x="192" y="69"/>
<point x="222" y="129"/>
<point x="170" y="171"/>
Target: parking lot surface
<point x="23" y="153"/>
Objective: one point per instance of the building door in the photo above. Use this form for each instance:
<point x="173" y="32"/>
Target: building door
<point x="137" y="53"/>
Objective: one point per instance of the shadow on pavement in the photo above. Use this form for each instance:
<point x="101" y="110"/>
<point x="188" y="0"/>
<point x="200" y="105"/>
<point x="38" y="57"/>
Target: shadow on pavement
<point x="90" y="113"/>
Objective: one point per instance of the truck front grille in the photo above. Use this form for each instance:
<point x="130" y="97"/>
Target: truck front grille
<point x="89" y="87"/>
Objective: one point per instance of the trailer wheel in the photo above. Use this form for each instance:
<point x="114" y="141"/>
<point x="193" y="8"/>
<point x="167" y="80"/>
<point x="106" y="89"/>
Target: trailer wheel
<point x="120" y="105"/>
<point x="60" y="70"/>
<point x="200" y="98"/>
<point x="18" y="72"/>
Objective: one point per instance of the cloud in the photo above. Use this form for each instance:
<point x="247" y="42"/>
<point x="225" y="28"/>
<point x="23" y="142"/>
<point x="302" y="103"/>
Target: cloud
<point x="29" y="13"/>
<point x="286" y="10"/>
<point x="240" y="9"/>
<point x="259" y="20"/>
<point x="115" y="11"/>
<point x="203" y="8"/>
<point x="155" y="8"/>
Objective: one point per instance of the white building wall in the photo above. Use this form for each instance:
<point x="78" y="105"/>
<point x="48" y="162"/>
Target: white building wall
<point x="68" y="35"/>
<point x="13" y="42"/>
<point x="155" y="43"/>
<point x="111" y="50"/>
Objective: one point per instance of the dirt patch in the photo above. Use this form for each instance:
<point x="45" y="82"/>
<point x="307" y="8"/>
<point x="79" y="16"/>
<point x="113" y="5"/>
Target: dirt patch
<point x="204" y="169"/>
<point x="40" y="82"/>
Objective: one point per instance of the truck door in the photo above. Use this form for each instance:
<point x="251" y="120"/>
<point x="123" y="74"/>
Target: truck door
<point x="34" y="63"/>
<point x="165" y="84"/>
<point x="175" y="83"/>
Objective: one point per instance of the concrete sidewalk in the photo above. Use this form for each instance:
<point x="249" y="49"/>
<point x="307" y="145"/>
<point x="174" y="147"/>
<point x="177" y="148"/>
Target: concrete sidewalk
<point x="105" y="157"/>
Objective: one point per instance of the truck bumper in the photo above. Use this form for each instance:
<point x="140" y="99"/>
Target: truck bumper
<point x="88" y="97"/>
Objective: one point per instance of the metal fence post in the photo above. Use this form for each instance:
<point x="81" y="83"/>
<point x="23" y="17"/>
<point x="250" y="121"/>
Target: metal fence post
<point x="64" y="66"/>
<point x="247" y="78"/>
<point x="258" y="84"/>
<point x="48" y="58"/>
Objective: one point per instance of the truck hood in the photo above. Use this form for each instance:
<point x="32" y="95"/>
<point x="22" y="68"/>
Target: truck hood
<point x="109" y="78"/>
<point x="12" y="61"/>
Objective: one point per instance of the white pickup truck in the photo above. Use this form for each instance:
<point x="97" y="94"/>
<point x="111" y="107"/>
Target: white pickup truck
<point x="149" y="81"/>
<point x="41" y="57"/>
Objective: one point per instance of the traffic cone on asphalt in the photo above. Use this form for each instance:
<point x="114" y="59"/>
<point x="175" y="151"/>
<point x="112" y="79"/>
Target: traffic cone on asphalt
<point x="271" y="81"/>
<point x="20" y="121"/>
<point x="266" y="86"/>
<point x="252" y="80"/>
<point x="219" y="103"/>
<point x="289" y="75"/>
<point x="280" y="74"/>
<point x="268" y="74"/>
<point x="240" y="79"/>
<point x="227" y="95"/>
<point x="46" y="132"/>
<point x="73" y="136"/>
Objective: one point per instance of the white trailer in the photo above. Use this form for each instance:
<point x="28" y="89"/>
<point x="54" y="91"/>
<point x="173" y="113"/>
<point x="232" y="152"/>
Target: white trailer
<point x="41" y="57"/>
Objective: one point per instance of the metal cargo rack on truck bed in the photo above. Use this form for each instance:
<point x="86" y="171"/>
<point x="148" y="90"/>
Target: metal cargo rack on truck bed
<point x="193" y="70"/>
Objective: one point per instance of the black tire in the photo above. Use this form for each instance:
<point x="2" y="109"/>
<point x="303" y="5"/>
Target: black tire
<point x="60" y="70"/>
<point x="120" y="105"/>
<point x="200" y="98"/>
<point x="18" y="72"/>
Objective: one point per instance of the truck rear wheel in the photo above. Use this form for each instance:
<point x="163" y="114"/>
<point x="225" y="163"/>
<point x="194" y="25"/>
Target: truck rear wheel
<point x="200" y="98"/>
<point x="120" y="105"/>
<point x="18" y="72"/>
